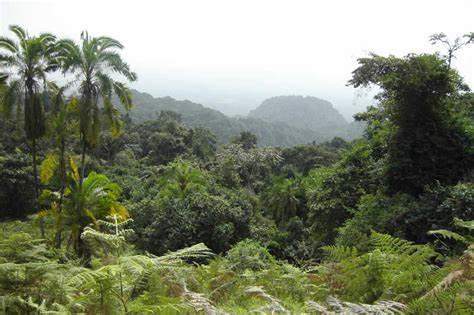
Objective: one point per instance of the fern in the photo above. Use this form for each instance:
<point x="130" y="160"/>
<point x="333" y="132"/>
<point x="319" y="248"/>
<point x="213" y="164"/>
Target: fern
<point x="392" y="269"/>
<point x="337" y="253"/>
<point x="466" y="239"/>
<point x="198" y="251"/>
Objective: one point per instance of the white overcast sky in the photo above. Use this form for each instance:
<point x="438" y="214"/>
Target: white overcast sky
<point x="233" y="54"/>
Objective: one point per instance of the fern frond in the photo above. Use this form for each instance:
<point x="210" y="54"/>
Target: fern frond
<point x="189" y="253"/>
<point x="449" y="235"/>
<point x="337" y="253"/>
<point x="464" y="224"/>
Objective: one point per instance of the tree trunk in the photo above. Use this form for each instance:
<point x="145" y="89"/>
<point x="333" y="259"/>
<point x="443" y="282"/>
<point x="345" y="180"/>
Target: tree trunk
<point x="83" y="250"/>
<point x="62" y="170"/>
<point x="36" y="182"/>
<point x="83" y="160"/>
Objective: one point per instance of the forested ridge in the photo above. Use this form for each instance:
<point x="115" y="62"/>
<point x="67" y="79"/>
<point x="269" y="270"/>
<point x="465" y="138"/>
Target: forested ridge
<point x="102" y="213"/>
<point x="280" y="130"/>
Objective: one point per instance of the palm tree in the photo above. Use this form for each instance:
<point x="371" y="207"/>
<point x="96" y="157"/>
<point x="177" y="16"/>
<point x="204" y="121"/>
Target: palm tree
<point x="180" y="179"/>
<point x="94" y="198"/>
<point x="92" y="62"/>
<point x="28" y="60"/>
<point x="284" y="198"/>
<point x="84" y="202"/>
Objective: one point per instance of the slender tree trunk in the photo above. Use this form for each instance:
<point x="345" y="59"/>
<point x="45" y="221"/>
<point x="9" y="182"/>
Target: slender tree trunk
<point x="58" y="238"/>
<point x="83" y="250"/>
<point x="36" y="183"/>
<point x="83" y="160"/>
<point x="62" y="170"/>
<point x="450" y="57"/>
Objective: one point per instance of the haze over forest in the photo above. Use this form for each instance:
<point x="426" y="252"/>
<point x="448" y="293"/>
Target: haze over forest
<point x="200" y="157"/>
<point x="232" y="55"/>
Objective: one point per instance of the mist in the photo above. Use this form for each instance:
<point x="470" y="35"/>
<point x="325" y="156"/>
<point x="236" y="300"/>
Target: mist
<point x="231" y="55"/>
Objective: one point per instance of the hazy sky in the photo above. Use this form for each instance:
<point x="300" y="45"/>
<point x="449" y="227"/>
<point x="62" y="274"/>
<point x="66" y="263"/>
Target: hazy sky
<point x="233" y="54"/>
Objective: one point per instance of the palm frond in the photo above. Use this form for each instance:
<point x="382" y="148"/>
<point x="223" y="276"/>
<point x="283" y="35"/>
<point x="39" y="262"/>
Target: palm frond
<point x="19" y="32"/>
<point x="124" y="95"/>
<point x="11" y="98"/>
<point x="108" y="42"/>
<point x="8" y="44"/>
<point x="48" y="167"/>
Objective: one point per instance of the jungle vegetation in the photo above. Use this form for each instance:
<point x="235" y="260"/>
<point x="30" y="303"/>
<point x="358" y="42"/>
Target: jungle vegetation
<point x="101" y="214"/>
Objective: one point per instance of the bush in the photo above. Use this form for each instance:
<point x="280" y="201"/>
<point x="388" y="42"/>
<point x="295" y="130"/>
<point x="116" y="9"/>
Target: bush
<point x="17" y="186"/>
<point x="249" y="254"/>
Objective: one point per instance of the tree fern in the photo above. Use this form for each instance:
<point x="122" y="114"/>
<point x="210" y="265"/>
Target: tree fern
<point x="392" y="269"/>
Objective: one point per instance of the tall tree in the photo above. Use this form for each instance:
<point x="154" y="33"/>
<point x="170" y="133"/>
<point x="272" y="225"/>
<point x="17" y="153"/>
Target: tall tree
<point x="93" y="62"/>
<point x="29" y="59"/>
<point x="423" y="145"/>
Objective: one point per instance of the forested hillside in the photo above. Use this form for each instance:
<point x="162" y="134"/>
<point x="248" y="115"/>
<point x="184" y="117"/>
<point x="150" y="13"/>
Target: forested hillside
<point x="105" y="214"/>
<point x="309" y="113"/>
<point x="269" y="132"/>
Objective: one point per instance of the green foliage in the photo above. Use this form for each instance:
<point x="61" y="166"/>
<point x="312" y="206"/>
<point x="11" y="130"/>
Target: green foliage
<point x="303" y="158"/>
<point x="237" y="166"/>
<point x="373" y="212"/>
<point x="30" y="59"/>
<point x="285" y="198"/>
<point x="17" y="185"/>
<point x="246" y="139"/>
<point x="436" y="209"/>
<point x="249" y="254"/>
<point x="203" y="143"/>
<point x="361" y="227"/>
<point x="84" y="202"/>
<point x="181" y="179"/>
<point x="423" y="148"/>
<point x="218" y="220"/>
<point x="333" y="191"/>
<point x="392" y="269"/>
<point x="466" y="239"/>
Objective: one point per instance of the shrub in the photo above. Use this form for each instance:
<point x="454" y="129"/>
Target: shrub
<point x="249" y="254"/>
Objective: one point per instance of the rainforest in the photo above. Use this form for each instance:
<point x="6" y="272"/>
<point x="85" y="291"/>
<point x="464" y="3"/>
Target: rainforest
<point x="104" y="213"/>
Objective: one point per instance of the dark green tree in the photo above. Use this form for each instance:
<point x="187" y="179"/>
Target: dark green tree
<point x="246" y="139"/>
<point x="203" y="143"/>
<point x="423" y="146"/>
<point x="285" y="198"/>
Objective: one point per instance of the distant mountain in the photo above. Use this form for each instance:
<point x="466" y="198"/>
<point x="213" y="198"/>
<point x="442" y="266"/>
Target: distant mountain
<point x="269" y="133"/>
<point x="307" y="112"/>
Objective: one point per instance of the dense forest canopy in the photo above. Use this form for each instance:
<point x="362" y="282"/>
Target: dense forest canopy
<point x="107" y="209"/>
